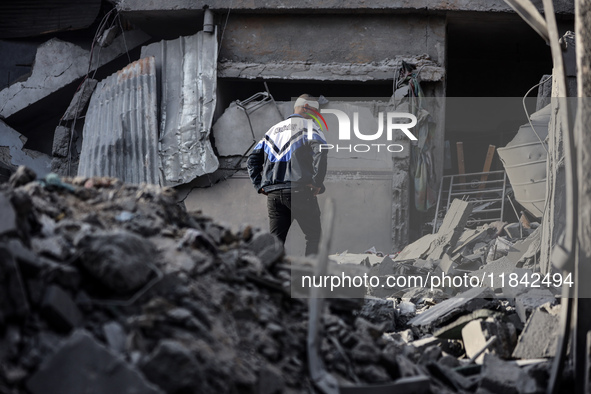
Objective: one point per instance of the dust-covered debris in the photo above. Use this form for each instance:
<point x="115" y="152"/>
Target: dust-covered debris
<point x="93" y="269"/>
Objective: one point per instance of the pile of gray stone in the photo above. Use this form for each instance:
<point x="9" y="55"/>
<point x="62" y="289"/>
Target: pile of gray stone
<point x="110" y="287"/>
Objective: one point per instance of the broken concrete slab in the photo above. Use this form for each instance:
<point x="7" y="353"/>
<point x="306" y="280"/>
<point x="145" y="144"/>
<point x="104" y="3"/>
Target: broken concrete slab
<point x="477" y="333"/>
<point x="80" y="99"/>
<point x="451" y="228"/>
<point x="59" y="63"/>
<point x="446" y="265"/>
<point x="500" y="376"/>
<point x="454" y="329"/>
<point x="13" y="295"/>
<point x="424" y="343"/>
<point x="13" y="154"/>
<point x="466" y="302"/>
<point x="81" y="363"/>
<point x="59" y="309"/>
<point x="471" y="236"/>
<point x="539" y="337"/>
<point x="418" y="249"/>
<point x="368" y="260"/>
<point x="526" y="303"/>
<point x="118" y="259"/>
<point x="433" y="246"/>
<point x="498" y="269"/>
<point x="173" y="367"/>
<point x="61" y="141"/>
<point x="420" y="295"/>
<point x="7" y="216"/>
<point x="267" y="247"/>
<point x="115" y="336"/>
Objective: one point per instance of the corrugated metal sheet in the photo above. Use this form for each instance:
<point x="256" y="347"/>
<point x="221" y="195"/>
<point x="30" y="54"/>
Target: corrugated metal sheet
<point x="524" y="159"/>
<point x="26" y="18"/>
<point x="120" y="130"/>
<point x="187" y="71"/>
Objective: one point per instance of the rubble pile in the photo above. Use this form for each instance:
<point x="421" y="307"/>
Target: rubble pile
<point x="118" y="288"/>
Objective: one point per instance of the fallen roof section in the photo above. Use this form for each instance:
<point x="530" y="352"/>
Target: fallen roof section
<point x="59" y="63"/>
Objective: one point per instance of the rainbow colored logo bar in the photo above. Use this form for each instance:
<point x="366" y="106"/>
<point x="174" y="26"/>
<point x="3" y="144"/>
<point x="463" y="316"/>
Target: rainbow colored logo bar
<point x="323" y="128"/>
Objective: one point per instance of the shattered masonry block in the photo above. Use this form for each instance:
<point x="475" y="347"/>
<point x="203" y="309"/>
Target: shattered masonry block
<point x="81" y="363"/>
<point x="476" y="333"/>
<point x="118" y="259"/>
<point x="61" y="141"/>
<point x="448" y="310"/>
<point x="7" y="215"/>
<point x="59" y="309"/>
<point x="80" y="99"/>
<point x="528" y="302"/>
<point x="500" y="376"/>
<point x="539" y="337"/>
<point x="13" y="296"/>
<point x="454" y="329"/>
<point x="172" y="367"/>
<point x="267" y="247"/>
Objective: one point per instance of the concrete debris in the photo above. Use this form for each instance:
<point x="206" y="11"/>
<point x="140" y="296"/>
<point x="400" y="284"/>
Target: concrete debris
<point x="454" y="329"/>
<point x="448" y="310"/>
<point x="57" y="64"/>
<point x="173" y="367"/>
<point x="82" y="363"/>
<point x="526" y="303"/>
<point x="499" y="376"/>
<point x="13" y="154"/>
<point x="478" y="332"/>
<point x="539" y="337"/>
<point x="80" y="100"/>
<point x="59" y="309"/>
<point x="7" y="216"/>
<point x="433" y="246"/>
<point x="164" y="300"/>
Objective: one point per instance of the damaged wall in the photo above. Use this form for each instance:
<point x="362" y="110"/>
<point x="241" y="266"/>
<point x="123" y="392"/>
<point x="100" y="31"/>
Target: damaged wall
<point x="329" y="38"/>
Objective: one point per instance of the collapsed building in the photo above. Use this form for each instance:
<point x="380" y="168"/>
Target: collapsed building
<point x="241" y="64"/>
<point x="175" y="94"/>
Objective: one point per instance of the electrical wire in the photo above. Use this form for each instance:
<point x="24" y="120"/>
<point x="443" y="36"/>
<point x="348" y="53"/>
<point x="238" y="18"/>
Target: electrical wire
<point x="224" y="28"/>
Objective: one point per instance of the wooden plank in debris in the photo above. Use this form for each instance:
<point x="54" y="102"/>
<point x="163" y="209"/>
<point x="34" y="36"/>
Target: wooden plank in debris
<point x="461" y="166"/>
<point x="487" y="163"/>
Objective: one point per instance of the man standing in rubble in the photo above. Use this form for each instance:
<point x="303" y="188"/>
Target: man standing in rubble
<point x="289" y="166"/>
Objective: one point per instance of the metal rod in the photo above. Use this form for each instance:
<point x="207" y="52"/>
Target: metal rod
<point x="476" y="192"/>
<point x="321" y="378"/>
<point x="503" y="199"/>
<point x="486" y="346"/>
<point x="449" y="194"/>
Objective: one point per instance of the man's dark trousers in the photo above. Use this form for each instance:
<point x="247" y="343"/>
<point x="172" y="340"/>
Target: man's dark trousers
<point x="285" y="205"/>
